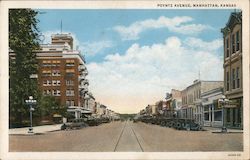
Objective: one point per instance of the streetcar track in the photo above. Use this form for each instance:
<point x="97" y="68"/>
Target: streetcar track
<point x="120" y="136"/>
<point x="137" y="139"/>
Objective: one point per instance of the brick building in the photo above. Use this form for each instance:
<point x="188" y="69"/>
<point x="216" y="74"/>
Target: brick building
<point x="233" y="86"/>
<point x="62" y="73"/>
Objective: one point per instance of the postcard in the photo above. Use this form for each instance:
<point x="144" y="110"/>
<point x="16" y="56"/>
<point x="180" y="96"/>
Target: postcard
<point x="124" y="79"/>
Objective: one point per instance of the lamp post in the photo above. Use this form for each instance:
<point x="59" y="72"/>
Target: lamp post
<point x="223" y="101"/>
<point x="30" y="102"/>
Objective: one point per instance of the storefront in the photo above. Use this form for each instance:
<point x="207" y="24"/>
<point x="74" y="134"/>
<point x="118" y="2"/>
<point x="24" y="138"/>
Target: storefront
<point x="234" y="115"/>
<point x="212" y="113"/>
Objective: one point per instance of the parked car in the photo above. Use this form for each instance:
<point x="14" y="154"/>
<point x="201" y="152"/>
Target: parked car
<point x="74" y="124"/>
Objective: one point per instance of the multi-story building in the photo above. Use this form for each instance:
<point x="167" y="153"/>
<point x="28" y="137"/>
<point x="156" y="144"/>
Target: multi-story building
<point x="191" y="99"/>
<point x="62" y="73"/>
<point x="233" y="86"/>
<point x="90" y="102"/>
<point x="173" y="100"/>
<point x="212" y="113"/>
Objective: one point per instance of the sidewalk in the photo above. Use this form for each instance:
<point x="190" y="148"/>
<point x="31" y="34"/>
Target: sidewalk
<point x="218" y="130"/>
<point x="36" y="129"/>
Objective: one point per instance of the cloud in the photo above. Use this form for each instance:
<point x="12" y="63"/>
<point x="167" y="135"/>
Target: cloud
<point x="176" y="24"/>
<point x="92" y="48"/>
<point x="143" y="74"/>
<point x="89" y="48"/>
<point x="196" y="43"/>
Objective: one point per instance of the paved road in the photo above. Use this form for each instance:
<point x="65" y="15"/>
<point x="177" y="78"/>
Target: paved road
<point x="127" y="136"/>
<point x="128" y="140"/>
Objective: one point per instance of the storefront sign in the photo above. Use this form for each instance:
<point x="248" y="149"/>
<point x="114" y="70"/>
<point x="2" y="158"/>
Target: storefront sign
<point x="229" y="104"/>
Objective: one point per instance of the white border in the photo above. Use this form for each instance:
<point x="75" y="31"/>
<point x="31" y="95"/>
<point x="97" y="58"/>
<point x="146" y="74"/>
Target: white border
<point x="123" y="4"/>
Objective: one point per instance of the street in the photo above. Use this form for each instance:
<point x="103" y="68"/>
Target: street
<point x="126" y="136"/>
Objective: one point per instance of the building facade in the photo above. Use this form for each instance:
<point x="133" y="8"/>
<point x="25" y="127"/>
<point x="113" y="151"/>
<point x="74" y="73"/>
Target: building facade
<point x="62" y="73"/>
<point x="191" y="99"/>
<point x="212" y="113"/>
<point x="233" y="86"/>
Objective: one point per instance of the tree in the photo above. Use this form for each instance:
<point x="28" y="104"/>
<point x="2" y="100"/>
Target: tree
<point x="48" y="106"/>
<point x="23" y="41"/>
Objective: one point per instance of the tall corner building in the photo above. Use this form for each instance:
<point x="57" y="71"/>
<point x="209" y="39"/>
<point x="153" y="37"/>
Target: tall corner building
<point x="62" y="73"/>
<point x="233" y="86"/>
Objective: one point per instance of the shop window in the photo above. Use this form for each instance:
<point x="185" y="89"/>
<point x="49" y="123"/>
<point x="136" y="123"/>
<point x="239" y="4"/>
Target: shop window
<point x="206" y="116"/>
<point x="217" y="115"/>
<point x="228" y="115"/>
<point x="206" y="108"/>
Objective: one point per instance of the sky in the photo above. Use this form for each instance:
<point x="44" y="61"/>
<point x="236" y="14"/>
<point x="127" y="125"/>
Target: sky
<point x="135" y="56"/>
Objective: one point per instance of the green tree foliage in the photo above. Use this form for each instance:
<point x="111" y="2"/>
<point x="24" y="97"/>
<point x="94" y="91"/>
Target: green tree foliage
<point x="23" y="41"/>
<point x="48" y="106"/>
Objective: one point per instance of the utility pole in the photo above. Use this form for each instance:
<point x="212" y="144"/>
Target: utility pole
<point x="61" y="26"/>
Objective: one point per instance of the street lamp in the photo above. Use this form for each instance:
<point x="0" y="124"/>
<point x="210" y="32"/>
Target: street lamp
<point x="223" y="101"/>
<point x="30" y="102"/>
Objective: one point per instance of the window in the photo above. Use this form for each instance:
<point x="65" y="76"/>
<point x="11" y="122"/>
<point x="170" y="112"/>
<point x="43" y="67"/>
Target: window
<point x="233" y="78"/>
<point x="46" y="92"/>
<point x="55" y="63"/>
<point x="54" y="92"/>
<point x="228" y="114"/>
<point x="56" y="73"/>
<point x="227" y="83"/>
<point x="70" y="103"/>
<point x="69" y="83"/>
<point x="206" y="108"/>
<point x="46" y="73"/>
<point x="46" y="63"/>
<point x="237" y="40"/>
<point x="227" y="47"/>
<point x="70" y="72"/>
<point x="217" y="116"/>
<point x="58" y="93"/>
<point x="46" y="83"/>
<point x="54" y="83"/>
<point x="238" y="77"/>
<point x="67" y="103"/>
<point x="70" y="92"/>
<point x="233" y="43"/>
<point x="70" y="63"/>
